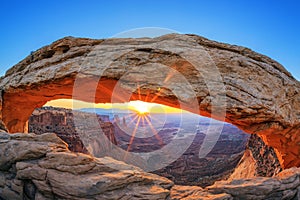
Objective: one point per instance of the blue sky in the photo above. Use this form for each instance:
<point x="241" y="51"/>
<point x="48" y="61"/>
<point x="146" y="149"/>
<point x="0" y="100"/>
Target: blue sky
<point x="271" y="27"/>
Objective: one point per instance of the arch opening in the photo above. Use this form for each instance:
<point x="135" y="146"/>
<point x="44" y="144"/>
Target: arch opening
<point x="27" y="99"/>
<point x="252" y="105"/>
<point x="138" y="126"/>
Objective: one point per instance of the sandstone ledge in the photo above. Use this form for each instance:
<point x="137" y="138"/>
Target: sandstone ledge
<point x="41" y="167"/>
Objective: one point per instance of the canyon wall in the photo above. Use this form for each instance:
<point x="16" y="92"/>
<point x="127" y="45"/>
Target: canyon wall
<point x="187" y="71"/>
<point x="61" y="122"/>
<point x="259" y="160"/>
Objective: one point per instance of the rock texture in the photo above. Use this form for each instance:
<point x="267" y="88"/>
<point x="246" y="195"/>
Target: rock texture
<point x="61" y="122"/>
<point x="284" y="186"/>
<point x="258" y="160"/>
<point x="2" y="125"/>
<point x="261" y="96"/>
<point x="197" y="193"/>
<point x="265" y="157"/>
<point x="41" y="167"/>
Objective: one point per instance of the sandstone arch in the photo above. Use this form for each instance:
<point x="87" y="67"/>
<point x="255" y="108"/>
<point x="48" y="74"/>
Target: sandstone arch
<point x="261" y="96"/>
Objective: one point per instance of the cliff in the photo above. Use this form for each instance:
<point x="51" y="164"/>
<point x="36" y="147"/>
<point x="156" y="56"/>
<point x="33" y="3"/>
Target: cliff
<point x="61" y="122"/>
<point x="258" y="160"/>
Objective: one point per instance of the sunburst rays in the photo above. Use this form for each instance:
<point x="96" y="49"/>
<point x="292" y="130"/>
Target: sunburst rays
<point x="141" y="116"/>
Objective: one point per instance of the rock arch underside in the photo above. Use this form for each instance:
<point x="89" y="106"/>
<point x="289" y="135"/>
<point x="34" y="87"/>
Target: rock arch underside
<point x="261" y="96"/>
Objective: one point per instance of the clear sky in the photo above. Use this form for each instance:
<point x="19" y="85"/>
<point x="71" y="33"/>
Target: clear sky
<point x="271" y="27"/>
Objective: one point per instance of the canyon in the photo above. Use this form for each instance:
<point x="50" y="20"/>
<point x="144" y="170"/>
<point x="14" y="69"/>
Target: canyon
<point x="221" y="81"/>
<point x="188" y="169"/>
<point x="61" y="122"/>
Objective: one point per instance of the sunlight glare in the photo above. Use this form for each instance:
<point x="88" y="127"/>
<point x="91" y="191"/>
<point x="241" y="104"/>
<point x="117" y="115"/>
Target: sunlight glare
<point x="140" y="107"/>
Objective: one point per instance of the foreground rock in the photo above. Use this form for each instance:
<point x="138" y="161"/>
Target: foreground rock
<point x="196" y="193"/>
<point x="261" y="96"/>
<point x="41" y="167"/>
<point x="285" y="185"/>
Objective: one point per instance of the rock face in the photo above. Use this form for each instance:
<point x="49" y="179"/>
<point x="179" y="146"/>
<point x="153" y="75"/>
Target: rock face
<point x="266" y="160"/>
<point x="181" y="69"/>
<point x="41" y="167"/>
<point x="258" y="160"/>
<point x="194" y="192"/>
<point x="44" y="168"/>
<point x="61" y="122"/>
<point x="284" y="186"/>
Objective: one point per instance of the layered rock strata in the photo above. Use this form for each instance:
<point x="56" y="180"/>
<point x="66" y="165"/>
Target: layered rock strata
<point x="61" y="122"/>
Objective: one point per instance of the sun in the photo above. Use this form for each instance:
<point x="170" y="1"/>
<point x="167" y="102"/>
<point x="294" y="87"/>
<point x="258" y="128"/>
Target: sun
<point x="140" y="107"/>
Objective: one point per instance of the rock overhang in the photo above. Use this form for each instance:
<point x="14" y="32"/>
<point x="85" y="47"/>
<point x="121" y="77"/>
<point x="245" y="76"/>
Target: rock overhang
<point x="261" y="96"/>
